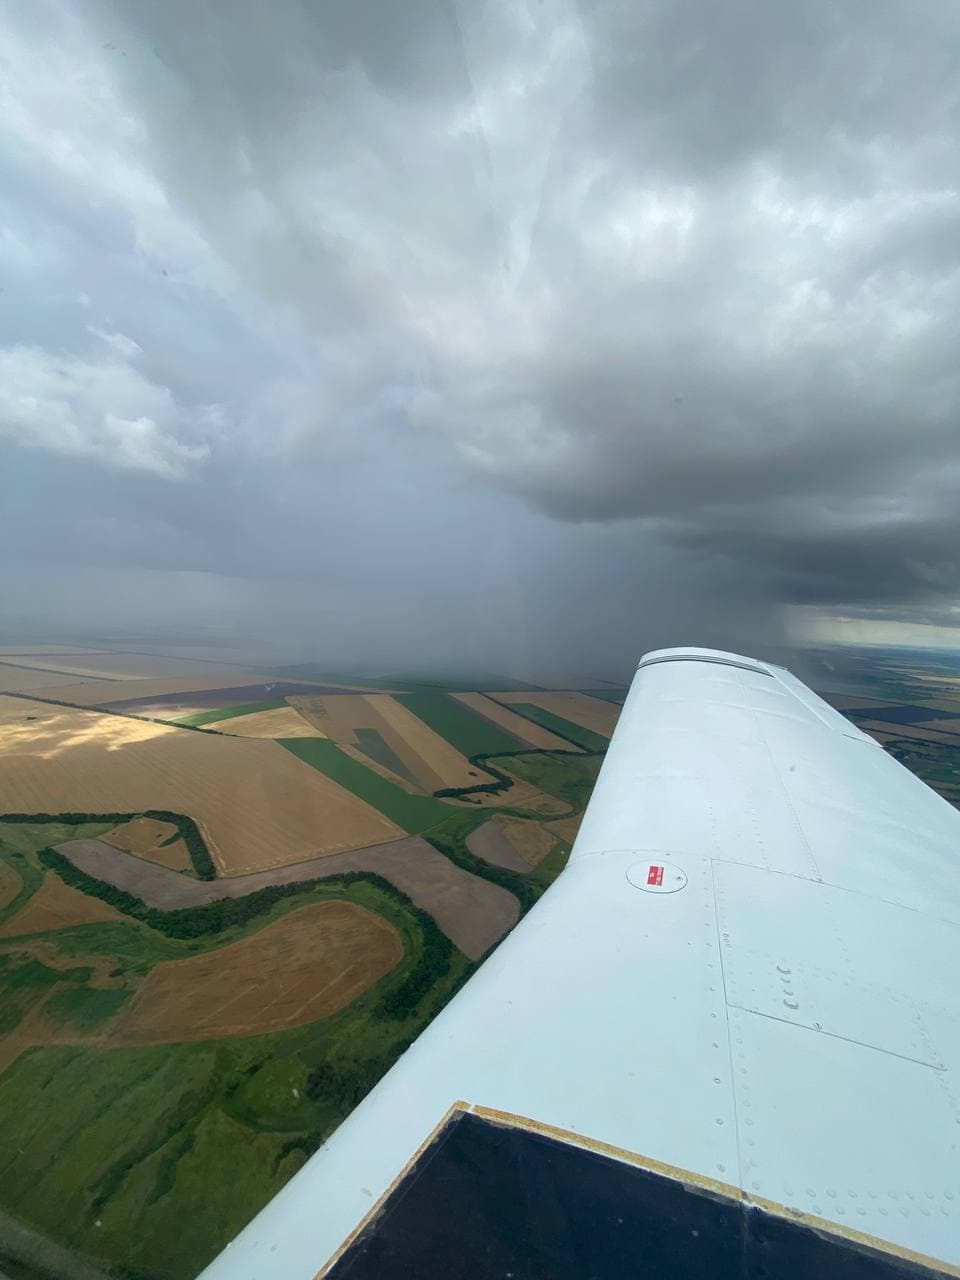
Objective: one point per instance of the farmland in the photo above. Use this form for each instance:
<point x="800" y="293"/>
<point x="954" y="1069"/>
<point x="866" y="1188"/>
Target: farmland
<point x="592" y="714"/>
<point x="328" y="953"/>
<point x="377" y="726"/>
<point x="155" y="840"/>
<point x="526" y="732"/>
<point x="256" y="805"/>
<point x="87" y="998"/>
<point x="282" y="721"/>
<point x="460" y="725"/>
<point x="409" y="812"/>
<point x="215" y="936"/>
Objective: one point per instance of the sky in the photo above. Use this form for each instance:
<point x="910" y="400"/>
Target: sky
<point x="486" y="333"/>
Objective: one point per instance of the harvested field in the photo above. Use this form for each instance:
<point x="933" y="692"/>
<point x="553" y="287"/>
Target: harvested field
<point x="304" y="966"/>
<point x="463" y="729"/>
<point x="89" y="693"/>
<point x="521" y="795"/>
<point x="10" y="885"/>
<point x="590" y="713"/>
<point x="24" y="679"/>
<point x="141" y="835"/>
<point x="215" y="699"/>
<point x="44" y="650"/>
<point x="921" y="733"/>
<point x="491" y="843"/>
<point x="64" y="667"/>
<point x="442" y="760"/>
<point x="853" y="702"/>
<point x="528" y="733"/>
<point x="281" y="722"/>
<point x="908" y="713"/>
<point x="421" y="754"/>
<point x="472" y="912"/>
<point x="257" y="805"/>
<point x="113" y="664"/>
<point x="882" y="736"/>
<point x="148" y="838"/>
<point x="56" y="905"/>
<point x="949" y="726"/>
<point x="532" y="840"/>
<point x="566" y="828"/>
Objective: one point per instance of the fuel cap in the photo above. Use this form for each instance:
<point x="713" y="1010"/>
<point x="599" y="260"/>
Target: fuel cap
<point x="657" y="877"/>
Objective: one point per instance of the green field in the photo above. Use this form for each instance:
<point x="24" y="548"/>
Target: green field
<point x="575" y="733"/>
<point x="18" y="851"/>
<point x="570" y="778"/>
<point x="413" y="813"/>
<point x="189" y="1141"/>
<point x="462" y="728"/>
<point x="228" y="713"/>
<point x="185" y="1141"/>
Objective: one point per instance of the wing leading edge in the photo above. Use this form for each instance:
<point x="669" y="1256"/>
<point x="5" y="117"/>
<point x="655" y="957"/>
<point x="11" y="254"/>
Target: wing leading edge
<point x="743" y="985"/>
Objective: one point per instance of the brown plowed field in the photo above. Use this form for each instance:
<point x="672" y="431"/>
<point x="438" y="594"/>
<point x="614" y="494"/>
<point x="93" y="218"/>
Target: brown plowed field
<point x="491" y="844"/>
<point x="472" y="912"/>
<point x="580" y="708"/>
<point x="533" y="735"/>
<point x="309" y="963"/>
<point x="257" y="805"/>
<point x="56" y="905"/>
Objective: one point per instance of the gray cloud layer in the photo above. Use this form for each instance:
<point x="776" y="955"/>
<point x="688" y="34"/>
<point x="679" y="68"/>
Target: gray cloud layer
<point x="497" y="311"/>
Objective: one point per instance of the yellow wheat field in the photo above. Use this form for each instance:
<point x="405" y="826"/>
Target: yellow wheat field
<point x="281" y="722"/>
<point x="257" y="805"/>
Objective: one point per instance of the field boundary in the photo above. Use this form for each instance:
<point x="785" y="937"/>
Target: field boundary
<point x="189" y="830"/>
<point x="503" y="780"/>
<point x="473" y="910"/>
<point x="98" y="710"/>
<point x="589" y="740"/>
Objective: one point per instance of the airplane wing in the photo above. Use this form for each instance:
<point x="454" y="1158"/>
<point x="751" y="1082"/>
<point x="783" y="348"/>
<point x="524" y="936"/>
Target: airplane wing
<point x="725" y="1043"/>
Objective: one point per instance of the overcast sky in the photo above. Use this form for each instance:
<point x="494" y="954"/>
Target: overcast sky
<point x="479" y="331"/>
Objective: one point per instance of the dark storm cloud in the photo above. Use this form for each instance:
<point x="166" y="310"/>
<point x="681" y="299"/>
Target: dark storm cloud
<point x="520" y="300"/>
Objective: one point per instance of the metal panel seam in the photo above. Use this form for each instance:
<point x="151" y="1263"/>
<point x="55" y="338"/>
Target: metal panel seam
<point x="786" y="796"/>
<point x="834" y="1035"/>
<point x="726" y="1022"/>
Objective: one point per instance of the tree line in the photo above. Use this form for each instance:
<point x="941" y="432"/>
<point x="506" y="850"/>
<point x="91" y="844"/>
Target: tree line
<point x="503" y="781"/>
<point x="188" y="829"/>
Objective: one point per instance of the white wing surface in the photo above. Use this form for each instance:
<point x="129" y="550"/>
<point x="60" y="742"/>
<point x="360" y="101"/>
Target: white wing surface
<point x="735" y="1016"/>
